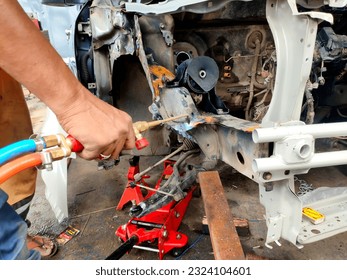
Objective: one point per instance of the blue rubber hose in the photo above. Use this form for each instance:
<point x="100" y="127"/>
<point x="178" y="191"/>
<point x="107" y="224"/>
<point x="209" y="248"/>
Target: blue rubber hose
<point x="16" y="149"/>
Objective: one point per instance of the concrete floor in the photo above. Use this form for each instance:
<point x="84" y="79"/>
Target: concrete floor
<point x="93" y="196"/>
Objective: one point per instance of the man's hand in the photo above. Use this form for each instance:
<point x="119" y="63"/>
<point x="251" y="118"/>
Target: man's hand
<point x="101" y="128"/>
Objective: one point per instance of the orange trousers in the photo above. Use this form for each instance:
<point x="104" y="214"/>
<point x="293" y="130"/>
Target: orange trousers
<point x="15" y="125"/>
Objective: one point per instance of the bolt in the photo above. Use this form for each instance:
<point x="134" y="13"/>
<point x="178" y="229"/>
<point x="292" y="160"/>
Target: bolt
<point x="267" y="175"/>
<point x="269" y="186"/>
<point x="165" y="233"/>
<point x="177" y="215"/>
<point x="49" y="166"/>
<point x="162" y="26"/>
<point x="202" y="74"/>
<point x="178" y="236"/>
<point x="321" y="81"/>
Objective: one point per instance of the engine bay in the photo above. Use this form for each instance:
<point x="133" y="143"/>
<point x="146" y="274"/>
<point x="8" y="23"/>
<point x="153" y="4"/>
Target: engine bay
<point x="261" y="82"/>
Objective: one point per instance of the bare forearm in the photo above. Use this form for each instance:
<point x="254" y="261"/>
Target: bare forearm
<point x="27" y="56"/>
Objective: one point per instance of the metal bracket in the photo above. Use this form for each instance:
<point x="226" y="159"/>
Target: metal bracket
<point x="283" y="211"/>
<point x="176" y="6"/>
<point x="167" y="35"/>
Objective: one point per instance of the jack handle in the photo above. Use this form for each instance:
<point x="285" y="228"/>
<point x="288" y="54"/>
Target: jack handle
<point x="124" y="248"/>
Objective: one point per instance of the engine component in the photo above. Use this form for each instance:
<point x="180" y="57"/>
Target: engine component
<point x="200" y="75"/>
<point x="332" y="46"/>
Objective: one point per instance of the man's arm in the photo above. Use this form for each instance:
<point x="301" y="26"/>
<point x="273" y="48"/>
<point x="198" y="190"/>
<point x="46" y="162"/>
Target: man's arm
<point x="29" y="58"/>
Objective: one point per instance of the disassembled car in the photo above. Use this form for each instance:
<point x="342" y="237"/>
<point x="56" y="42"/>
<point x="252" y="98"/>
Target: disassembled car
<point x="260" y="83"/>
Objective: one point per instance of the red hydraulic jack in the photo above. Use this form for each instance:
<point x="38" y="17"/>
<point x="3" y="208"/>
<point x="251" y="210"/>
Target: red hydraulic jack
<point x="160" y="225"/>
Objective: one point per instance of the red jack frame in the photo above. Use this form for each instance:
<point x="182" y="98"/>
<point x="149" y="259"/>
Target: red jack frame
<point x="133" y="193"/>
<point x="160" y="225"/>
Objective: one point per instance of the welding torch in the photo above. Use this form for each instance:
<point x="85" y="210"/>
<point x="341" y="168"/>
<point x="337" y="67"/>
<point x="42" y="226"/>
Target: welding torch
<point x="42" y="151"/>
<point x="141" y="126"/>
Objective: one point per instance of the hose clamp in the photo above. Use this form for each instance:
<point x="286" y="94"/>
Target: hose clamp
<point x="47" y="161"/>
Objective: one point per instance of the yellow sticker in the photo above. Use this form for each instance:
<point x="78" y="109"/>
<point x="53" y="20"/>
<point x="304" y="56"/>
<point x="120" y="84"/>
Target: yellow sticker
<point x="314" y="216"/>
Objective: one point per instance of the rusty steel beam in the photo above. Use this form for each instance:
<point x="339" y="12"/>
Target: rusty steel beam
<point x="224" y="238"/>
